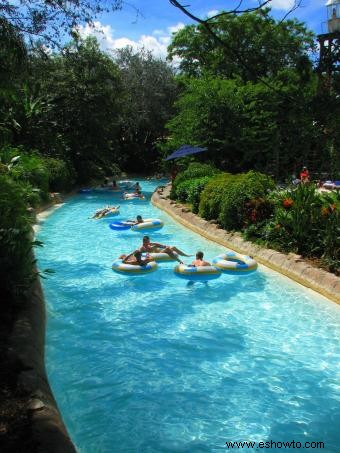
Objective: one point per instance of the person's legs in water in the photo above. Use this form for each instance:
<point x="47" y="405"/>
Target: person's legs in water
<point x="171" y="253"/>
<point x="180" y="252"/>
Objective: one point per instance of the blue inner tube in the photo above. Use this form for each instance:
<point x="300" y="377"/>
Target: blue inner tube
<point x="119" y="226"/>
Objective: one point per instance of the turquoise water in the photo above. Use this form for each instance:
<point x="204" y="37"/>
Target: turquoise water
<point x="149" y="364"/>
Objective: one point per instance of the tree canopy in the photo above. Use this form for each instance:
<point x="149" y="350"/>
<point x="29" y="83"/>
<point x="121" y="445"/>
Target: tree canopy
<point x="50" y="20"/>
<point x="251" y="46"/>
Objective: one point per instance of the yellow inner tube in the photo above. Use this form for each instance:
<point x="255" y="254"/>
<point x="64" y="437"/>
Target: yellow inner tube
<point x="234" y="263"/>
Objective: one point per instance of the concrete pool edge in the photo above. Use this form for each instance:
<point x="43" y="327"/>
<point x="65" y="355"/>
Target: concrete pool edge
<point x="290" y="265"/>
<point x="26" y="346"/>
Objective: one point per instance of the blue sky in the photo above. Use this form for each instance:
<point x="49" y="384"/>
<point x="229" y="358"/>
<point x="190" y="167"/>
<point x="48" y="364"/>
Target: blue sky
<point x="150" y="23"/>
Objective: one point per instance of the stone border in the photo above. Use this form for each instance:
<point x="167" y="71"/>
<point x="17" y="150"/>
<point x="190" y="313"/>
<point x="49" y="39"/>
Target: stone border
<point x="291" y="265"/>
<point x="27" y="346"/>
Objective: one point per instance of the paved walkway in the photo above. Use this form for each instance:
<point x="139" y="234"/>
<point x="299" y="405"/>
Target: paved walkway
<point x="291" y="265"/>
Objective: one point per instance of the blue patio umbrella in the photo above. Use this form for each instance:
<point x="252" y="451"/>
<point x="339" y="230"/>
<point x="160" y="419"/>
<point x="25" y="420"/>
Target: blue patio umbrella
<point x="185" y="150"/>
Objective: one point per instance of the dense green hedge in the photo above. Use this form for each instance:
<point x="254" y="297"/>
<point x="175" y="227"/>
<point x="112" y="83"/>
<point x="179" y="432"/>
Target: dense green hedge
<point x="194" y="170"/>
<point x="211" y="196"/>
<point x="231" y="199"/>
<point x="190" y="191"/>
<point x="61" y="175"/>
<point x="238" y="193"/>
<point x="37" y="175"/>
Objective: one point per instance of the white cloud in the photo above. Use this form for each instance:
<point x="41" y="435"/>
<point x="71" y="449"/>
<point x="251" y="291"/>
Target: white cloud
<point x="282" y="4"/>
<point x="104" y="34"/>
<point x="176" y="27"/>
<point x="158" y="32"/>
<point x="212" y="12"/>
<point x="156" y="43"/>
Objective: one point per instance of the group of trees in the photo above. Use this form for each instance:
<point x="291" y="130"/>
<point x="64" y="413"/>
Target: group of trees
<point x="246" y="87"/>
<point x="251" y="94"/>
<point x="86" y="107"/>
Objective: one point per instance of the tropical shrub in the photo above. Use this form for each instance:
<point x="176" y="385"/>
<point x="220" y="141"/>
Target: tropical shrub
<point x="61" y="175"/>
<point x="194" y="170"/>
<point x="329" y="233"/>
<point x="304" y="222"/>
<point x="298" y="214"/>
<point x="211" y="196"/>
<point x="16" y="261"/>
<point x="257" y="210"/>
<point x="32" y="196"/>
<point x="242" y="189"/>
<point x="31" y="169"/>
<point x="191" y="189"/>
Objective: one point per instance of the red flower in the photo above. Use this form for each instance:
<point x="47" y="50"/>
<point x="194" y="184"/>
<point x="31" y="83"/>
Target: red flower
<point x="288" y="203"/>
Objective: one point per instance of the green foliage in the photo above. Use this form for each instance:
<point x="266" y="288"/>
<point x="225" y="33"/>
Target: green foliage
<point x="70" y="107"/>
<point x="298" y="212"/>
<point x="208" y="113"/>
<point x="60" y="175"/>
<point x="237" y="195"/>
<point x="16" y="262"/>
<point x="257" y="210"/>
<point x="114" y="170"/>
<point x="190" y="191"/>
<point x="50" y="21"/>
<point x="31" y="169"/>
<point x="32" y="196"/>
<point x="252" y="45"/>
<point x="194" y="170"/>
<point x="211" y="196"/>
<point x="12" y="54"/>
<point x="148" y="92"/>
<point x="252" y="126"/>
<point x="303" y="222"/>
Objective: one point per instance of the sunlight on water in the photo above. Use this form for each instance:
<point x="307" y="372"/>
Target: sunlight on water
<point x="149" y="364"/>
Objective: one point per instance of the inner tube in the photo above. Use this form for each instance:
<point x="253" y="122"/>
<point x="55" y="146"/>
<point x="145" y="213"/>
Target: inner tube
<point x="232" y="262"/>
<point x="201" y="273"/>
<point x="119" y="226"/>
<point x="148" y="225"/>
<point x="132" y="196"/>
<point x="132" y="269"/>
<point x="125" y="184"/>
<point x="159" y="256"/>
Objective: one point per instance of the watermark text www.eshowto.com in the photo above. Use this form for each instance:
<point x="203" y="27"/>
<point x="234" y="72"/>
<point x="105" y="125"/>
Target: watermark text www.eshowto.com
<point x="275" y="444"/>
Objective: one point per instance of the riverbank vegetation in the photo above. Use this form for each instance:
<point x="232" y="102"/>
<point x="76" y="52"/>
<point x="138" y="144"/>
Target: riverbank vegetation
<point x="295" y="219"/>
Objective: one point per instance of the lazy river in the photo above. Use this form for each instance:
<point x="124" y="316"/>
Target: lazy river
<point x="152" y="364"/>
